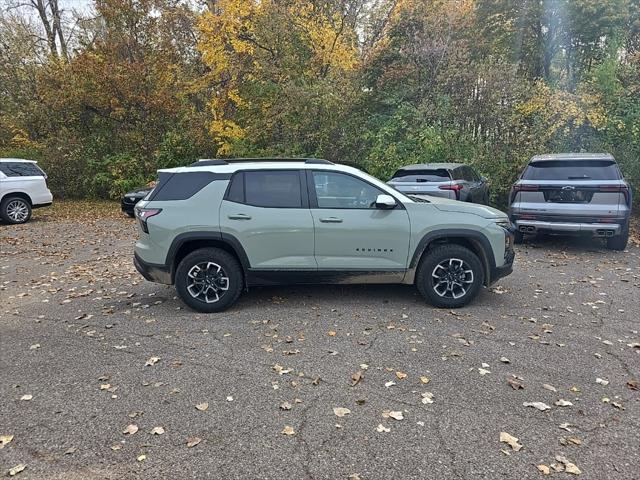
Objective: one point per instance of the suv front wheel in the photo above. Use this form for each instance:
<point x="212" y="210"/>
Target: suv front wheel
<point x="209" y="280"/>
<point x="449" y="276"/>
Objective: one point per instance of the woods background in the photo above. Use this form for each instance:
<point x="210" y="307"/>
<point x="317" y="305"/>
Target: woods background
<point x="104" y="95"/>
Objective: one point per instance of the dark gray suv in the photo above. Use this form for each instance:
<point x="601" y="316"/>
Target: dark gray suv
<point x="455" y="181"/>
<point x="579" y="193"/>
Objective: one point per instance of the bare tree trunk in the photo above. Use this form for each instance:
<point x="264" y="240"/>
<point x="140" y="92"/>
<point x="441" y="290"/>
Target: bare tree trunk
<point x="41" y="7"/>
<point x="56" y="13"/>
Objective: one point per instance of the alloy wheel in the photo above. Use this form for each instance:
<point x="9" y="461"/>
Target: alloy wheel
<point x="207" y="282"/>
<point x="452" y="278"/>
<point x="18" y="210"/>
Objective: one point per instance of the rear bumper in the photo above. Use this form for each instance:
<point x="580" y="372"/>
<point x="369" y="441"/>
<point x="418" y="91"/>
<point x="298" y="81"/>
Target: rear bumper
<point x="596" y="229"/>
<point x="151" y="272"/>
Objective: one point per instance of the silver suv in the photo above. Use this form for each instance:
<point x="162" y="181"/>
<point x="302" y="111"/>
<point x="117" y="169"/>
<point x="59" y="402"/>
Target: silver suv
<point x="580" y="193"/>
<point x="216" y="227"/>
<point x="456" y="181"/>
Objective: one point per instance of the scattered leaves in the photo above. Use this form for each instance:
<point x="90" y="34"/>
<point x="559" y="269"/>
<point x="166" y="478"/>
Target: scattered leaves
<point x="4" y="440"/>
<point x="341" y="411"/>
<point x="287" y="430"/>
<point x="401" y="375"/>
<point x="563" y="403"/>
<point x="424" y="380"/>
<point x="157" y="431"/>
<point x="356" y="377"/>
<point x="515" y="383"/>
<point x="193" y="441"/>
<point x="17" y="469"/>
<point x="130" y="430"/>
<point x="539" y="405"/>
<point x="202" y="406"/>
<point x="26" y="398"/>
<point x="569" y="467"/>
<point x="543" y="469"/>
<point x="152" y="361"/>
<point x="381" y="428"/>
<point x="510" y="440"/>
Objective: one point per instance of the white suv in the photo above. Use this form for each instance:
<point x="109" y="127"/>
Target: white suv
<point x="23" y="186"/>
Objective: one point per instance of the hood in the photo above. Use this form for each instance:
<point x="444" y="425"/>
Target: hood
<point x="446" y="205"/>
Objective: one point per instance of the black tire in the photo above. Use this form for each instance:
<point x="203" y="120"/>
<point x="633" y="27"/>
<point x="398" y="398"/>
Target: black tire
<point x="619" y="242"/>
<point x="131" y="214"/>
<point x="229" y="268"/>
<point x="8" y="210"/>
<point x="426" y="284"/>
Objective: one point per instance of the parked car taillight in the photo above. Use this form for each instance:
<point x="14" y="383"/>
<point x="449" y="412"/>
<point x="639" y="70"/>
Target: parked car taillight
<point x="456" y="187"/>
<point x="143" y="214"/>
<point x="617" y="188"/>
<point x="522" y="188"/>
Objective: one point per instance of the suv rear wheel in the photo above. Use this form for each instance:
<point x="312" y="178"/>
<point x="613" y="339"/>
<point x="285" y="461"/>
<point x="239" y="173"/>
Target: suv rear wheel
<point x="619" y="242"/>
<point x="15" y="210"/>
<point x="209" y="280"/>
<point x="449" y="276"/>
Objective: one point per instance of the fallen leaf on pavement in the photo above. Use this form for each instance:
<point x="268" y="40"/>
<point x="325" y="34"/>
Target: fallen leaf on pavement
<point x="396" y="415"/>
<point x="565" y="426"/>
<point x="157" y="431"/>
<point x="424" y="380"/>
<point x="551" y="388"/>
<point x="427" y="398"/>
<point x="5" y="439"/>
<point x="17" y="469"/>
<point x="381" y="428"/>
<point x="632" y="384"/>
<point x="539" y="405"/>
<point x="26" y="397"/>
<point x="141" y="458"/>
<point x="70" y="450"/>
<point x="505" y="360"/>
<point x="193" y="441"/>
<point x="390" y="383"/>
<point x="356" y="377"/>
<point x="569" y="467"/>
<point x="575" y="440"/>
<point x="401" y="375"/>
<point x="602" y="381"/>
<point x="202" y="406"/>
<point x="288" y="430"/>
<point x="543" y="469"/>
<point x="483" y="371"/>
<point x="341" y="411"/>
<point x="331" y="333"/>
<point x="563" y="403"/>
<point x="285" y="406"/>
<point x="130" y="430"/>
<point x="152" y="361"/>
<point x="514" y="383"/>
<point x="512" y="441"/>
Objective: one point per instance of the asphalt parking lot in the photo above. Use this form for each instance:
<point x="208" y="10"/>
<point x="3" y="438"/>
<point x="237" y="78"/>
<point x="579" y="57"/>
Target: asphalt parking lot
<point x="326" y="382"/>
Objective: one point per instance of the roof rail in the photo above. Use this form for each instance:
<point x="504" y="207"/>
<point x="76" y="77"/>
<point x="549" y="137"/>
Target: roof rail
<point x="227" y="161"/>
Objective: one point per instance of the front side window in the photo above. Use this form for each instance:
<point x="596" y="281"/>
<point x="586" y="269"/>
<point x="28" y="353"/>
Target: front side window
<point x="273" y="189"/>
<point x="20" y="169"/>
<point x="337" y="190"/>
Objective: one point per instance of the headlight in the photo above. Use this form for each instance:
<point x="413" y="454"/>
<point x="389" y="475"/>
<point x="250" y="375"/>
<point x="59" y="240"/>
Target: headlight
<point x="504" y="223"/>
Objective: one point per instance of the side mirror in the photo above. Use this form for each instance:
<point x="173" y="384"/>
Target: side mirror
<point x="385" y="202"/>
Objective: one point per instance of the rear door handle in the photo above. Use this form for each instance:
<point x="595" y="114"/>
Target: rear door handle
<point x="239" y="216"/>
<point x="331" y="220"/>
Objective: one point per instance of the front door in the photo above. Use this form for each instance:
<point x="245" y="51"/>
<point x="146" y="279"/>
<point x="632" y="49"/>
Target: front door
<point x="351" y="234"/>
<point x="267" y="212"/>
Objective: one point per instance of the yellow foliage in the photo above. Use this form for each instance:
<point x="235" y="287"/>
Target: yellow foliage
<point x="268" y="43"/>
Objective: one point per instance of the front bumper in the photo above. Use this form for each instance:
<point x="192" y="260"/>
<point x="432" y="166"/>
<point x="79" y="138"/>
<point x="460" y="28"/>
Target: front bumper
<point x="596" y="229"/>
<point x="151" y="272"/>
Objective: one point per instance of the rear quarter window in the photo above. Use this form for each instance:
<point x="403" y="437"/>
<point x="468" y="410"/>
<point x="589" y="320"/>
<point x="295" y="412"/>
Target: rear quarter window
<point x="20" y="169"/>
<point x="572" y="170"/>
<point x="435" y="175"/>
<point x="180" y="186"/>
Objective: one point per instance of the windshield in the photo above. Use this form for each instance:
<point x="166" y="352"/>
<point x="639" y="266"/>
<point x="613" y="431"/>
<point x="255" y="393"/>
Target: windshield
<point x="572" y="170"/>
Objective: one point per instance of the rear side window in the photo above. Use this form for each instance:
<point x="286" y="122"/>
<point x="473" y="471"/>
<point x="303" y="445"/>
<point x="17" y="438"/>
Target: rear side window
<point x="180" y="186"/>
<point x="572" y="170"/>
<point x="273" y="189"/>
<point x="434" y="175"/>
<point x="20" y="169"/>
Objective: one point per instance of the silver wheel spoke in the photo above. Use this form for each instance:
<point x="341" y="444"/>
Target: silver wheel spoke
<point x="207" y="282"/>
<point x="451" y="278"/>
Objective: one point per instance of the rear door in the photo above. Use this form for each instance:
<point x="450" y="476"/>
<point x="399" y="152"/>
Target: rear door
<point x="571" y="189"/>
<point x="351" y="234"/>
<point x="268" y="212"/>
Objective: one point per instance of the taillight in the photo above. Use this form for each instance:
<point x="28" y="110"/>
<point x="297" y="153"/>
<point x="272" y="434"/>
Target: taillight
<point x="617" y="188"/>
<point x="522" y="188"/>
<point x="145" y="214"/>
<point x="456" y="187"/>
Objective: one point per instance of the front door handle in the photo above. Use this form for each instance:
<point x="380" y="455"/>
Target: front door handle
<point x="239" y="216"/>
<point x="331" y="220"/>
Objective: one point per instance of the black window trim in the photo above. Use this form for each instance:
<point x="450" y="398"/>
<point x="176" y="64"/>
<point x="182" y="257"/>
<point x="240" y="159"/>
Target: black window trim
<point x="313" y="198"/>
<point x="304" y="199"/>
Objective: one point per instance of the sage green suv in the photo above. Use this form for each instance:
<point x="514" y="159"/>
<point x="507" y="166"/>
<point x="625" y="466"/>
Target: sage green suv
<point x="217" y="227"/>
